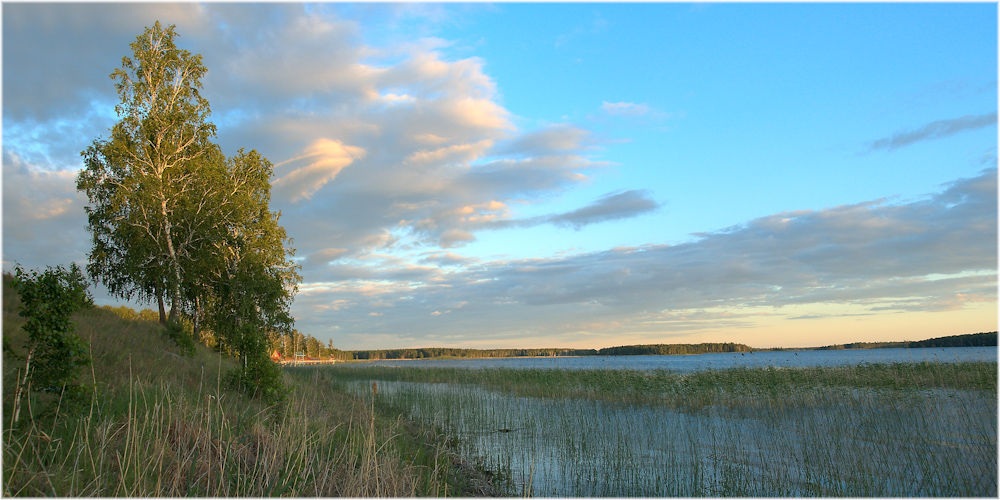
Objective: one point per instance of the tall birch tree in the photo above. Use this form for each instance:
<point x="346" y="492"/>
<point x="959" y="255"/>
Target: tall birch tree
<point x="146" y="184"/>
<point x="171" y="216"/>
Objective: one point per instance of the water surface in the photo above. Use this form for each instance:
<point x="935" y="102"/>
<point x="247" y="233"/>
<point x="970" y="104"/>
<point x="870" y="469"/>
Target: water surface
<point x="716" y="361"/>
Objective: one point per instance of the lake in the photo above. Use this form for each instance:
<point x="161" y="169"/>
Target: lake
<point x="717" y="439"/>
<point x="717" y="361"/>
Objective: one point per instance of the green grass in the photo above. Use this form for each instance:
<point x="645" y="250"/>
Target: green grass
<point x="902" y="429"/>
<point x="164" y="424"/>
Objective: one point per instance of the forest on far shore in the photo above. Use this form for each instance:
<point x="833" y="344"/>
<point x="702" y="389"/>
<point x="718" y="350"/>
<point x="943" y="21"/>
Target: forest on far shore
<point x="968" y="340"/>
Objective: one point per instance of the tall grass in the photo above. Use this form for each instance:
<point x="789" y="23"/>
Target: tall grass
<point x="924" y="429"/>
<point x="164" y="424"/>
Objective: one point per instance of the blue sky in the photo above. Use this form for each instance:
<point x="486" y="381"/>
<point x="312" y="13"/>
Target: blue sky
<point x="579" y="175"/>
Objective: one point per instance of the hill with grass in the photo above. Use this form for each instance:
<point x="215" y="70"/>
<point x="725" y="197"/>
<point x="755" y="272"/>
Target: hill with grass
<point x="161" y="421"/>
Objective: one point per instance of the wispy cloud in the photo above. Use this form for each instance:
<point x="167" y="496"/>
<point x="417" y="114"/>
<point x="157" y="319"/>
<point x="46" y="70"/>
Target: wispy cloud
<point x="598" y="25"/>
<point x="933" y="254"/>
<point x="625" y="108"/>
<point x="394" y="143"/>
<point x="613" y="206"/>
<point x="324" y="159"/>
<point x="935" y="130"/>
<point x="389" y="142"/>
<point x="630" y="112"/>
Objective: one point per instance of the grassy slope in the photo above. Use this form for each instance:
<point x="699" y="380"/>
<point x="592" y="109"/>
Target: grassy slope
<point x="161" y="424"/>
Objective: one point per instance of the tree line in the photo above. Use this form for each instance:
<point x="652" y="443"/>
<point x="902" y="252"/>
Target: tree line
<point x="981" y="339"/>
<point x="454" y="352"/>
<point x="289" y="344"/>
<point x="440" y="352"/>
<point x="671" y="349"/>
<point x="969" y="340"/>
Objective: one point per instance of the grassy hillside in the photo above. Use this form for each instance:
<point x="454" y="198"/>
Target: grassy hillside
<point x="160" y="423"/>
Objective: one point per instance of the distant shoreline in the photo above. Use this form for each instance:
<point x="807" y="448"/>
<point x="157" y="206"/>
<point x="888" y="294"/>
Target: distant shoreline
<point x="982" y="339"/>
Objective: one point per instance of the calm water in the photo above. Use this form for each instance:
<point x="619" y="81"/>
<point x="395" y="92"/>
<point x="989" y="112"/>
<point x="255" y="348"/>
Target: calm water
<point x="806" y="442"/>
<point x="823" y="440"/>
<point x="692" y="363"/>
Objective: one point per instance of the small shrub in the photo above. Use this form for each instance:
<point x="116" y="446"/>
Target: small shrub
<point x="179" y="334"/>
<point x="55" y="354"/>
<point x="259" y="377"/>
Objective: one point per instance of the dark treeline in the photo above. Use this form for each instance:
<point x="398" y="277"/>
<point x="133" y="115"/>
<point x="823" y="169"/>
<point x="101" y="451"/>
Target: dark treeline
<point x="442" y="352"/>
<point x="969" y="340"/>
<point x="633" y="350"/>
<point x="982" y="339"/>
<point x="451" y="352"/>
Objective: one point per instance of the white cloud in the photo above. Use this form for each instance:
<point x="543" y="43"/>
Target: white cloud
<point x="363" y="138"/>
<point x="324" y="159"/>
<point x="558" y="139"/>
<point x="625" y="108"/>
<point x="43" y="218"/>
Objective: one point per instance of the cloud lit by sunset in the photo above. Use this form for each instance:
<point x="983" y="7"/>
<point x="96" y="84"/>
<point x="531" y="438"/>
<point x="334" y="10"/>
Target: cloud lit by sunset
<point x="602" y="175"/>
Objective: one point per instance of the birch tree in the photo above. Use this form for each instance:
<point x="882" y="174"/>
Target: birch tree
<point x="146" y="184"/>
<point x="253" y="279"/>
<point x="171" y="216"/>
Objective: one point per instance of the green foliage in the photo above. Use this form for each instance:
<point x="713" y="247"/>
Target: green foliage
<point x="970" y="340"/>
<point x="982" y="339"/>
<point x="177" y="331"/>
<point x="55" y="354"/>
<point x="258" y="377"/>
<point x="181" y="336"/>
<point x="149" y="182"/>
<point x="251" y="282"/>
<point x="159" y="425"/>
<point x="444" y="352"/>
<point x="454" y="352"/>
<point x="172" y="217"/>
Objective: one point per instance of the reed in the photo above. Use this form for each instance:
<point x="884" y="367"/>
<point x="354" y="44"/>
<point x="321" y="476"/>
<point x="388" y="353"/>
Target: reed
<point x="903" y="429"/>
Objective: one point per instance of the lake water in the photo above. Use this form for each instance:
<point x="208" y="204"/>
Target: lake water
<point x="718" y="361"/>
<point x="823" y="440"/>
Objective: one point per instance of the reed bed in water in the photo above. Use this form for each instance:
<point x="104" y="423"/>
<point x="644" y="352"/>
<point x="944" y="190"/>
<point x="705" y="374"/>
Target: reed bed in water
<point x="902" y="429"/>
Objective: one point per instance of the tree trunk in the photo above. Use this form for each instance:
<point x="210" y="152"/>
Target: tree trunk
<point x="173" y="308"/>
<point x="163" y="313"/>
<point x="175" y="299"/>
<point x="197" y="315"/>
